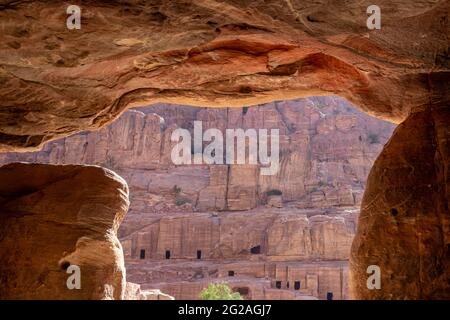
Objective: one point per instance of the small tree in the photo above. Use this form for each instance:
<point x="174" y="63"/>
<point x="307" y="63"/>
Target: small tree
<point x="219" y="291"/>
<point x="179" y="201"/>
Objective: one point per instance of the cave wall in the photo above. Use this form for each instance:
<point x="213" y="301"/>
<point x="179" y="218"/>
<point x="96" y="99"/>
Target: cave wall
<point x="404" y="225"/>
<point x="56" y="81"/>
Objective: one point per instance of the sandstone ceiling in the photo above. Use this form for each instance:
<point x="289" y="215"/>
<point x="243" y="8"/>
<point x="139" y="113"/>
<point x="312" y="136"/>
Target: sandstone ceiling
<point x="56" y="81"/>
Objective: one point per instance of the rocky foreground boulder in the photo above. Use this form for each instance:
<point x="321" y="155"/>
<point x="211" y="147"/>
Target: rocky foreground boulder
<point x="53" y="217"/>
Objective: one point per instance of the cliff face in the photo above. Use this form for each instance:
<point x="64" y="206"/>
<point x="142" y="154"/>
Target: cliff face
<point x="224" y="213"/>
<point x="285" y="233"/>
<point x="326" y="152"/>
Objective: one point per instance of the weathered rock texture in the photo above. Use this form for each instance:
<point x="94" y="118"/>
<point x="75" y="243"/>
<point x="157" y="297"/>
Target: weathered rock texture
<point x="223" y="211"/>
<point x="255" y="280"/>
<point x="133" y="291"/>
<point x="326" y="151"/>
<point x="56" y="81"/>
<point x="54" y="216"/>
<point x="287" y="234"/>
<point x="405" y="219"/>
<point x="259" y="247"/>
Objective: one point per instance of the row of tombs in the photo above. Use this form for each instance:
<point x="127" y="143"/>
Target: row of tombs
<point x="260" y="280"/>
<point x="279" y="255"/>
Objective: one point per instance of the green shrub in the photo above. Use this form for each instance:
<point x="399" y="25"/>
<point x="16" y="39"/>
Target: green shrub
<point x="219" y="291"/>
<point x="176" y="189"/>
<point x="179" y="201"/>
<point x="274" y="192"/>
<point x="373" y="138"/>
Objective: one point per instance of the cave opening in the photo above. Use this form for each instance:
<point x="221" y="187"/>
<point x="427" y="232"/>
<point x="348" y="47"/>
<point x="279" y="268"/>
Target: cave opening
<point x="243" y="291"/>
<point x="255" y="250"/>
<point x="327" y="135"/>
<point x="65" y="265"/>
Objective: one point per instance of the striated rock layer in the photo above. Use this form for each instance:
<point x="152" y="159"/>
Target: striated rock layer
<point x="134" y="292"/>
<point x="286" y="235"/>
<point x="326" y="151"/>
<point x="261" y="253"/>
<point x="54" y="216"/>
<point x="404" y="226"/>
<point x="56" y="81"/>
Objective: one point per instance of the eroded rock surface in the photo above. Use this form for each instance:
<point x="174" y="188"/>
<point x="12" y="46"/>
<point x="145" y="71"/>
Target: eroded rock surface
<point x="251" y="250"/>
<point x="56" y="81"/>
<point x="404" y="226"/>
<point x="54" y="216"/>
<point x="326" y="151"/>
<point x="134" y="292"/>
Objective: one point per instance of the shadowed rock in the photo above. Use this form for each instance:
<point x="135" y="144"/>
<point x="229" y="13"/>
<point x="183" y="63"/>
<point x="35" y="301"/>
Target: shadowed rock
<point x="56" y="81"/>
<point x="56" y="216"/>
<point x="404" y="225"/>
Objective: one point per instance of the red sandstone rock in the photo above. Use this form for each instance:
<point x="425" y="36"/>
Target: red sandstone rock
<point x="275" y="201"/>
<point x="56" y="216"/>
<point x="318" y="168"/>
<point x="255" y="280"/>
<point x="57" y="81"/>
<point x="134" y="292"/>
<point x="404" y="222"/>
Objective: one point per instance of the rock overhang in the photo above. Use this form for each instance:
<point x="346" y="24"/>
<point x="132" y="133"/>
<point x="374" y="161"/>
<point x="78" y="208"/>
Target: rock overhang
<point x="57" y="81"/>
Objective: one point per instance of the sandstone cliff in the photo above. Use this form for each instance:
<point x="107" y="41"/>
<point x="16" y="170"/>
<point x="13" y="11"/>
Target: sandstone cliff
<point x="327" y="149"/>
